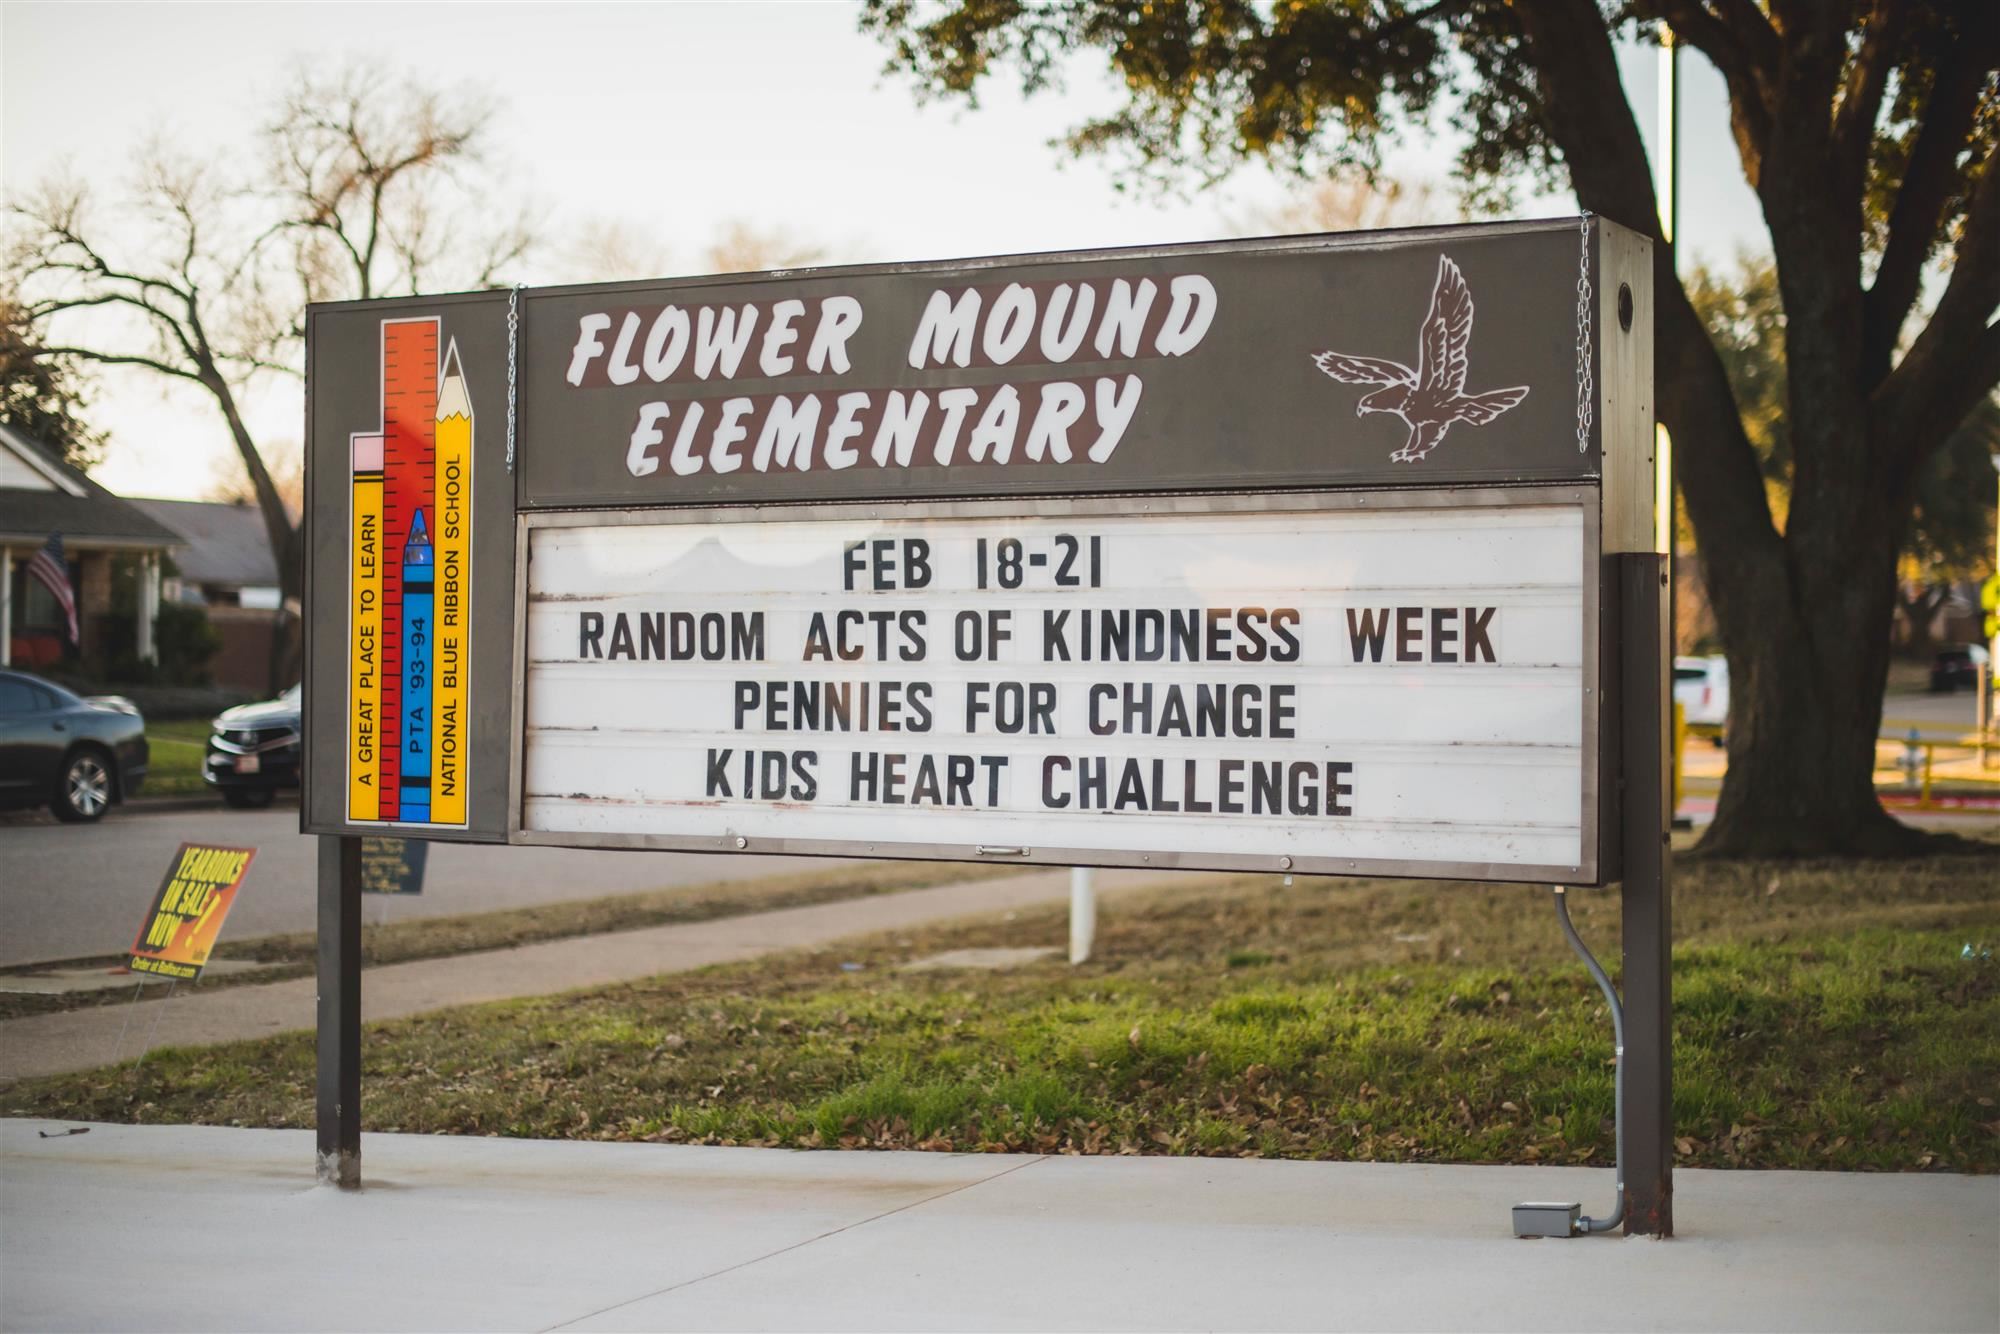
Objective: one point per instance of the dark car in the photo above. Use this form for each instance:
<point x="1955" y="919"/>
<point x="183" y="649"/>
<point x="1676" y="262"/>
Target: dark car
<point x="1955" y="667"/>
<point x="78" y="756"/>
<point x="254" y="750"/>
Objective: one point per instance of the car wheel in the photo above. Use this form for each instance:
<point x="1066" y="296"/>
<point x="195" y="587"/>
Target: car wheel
<point x="83" y="793"/>
<point x="249" y="798"/>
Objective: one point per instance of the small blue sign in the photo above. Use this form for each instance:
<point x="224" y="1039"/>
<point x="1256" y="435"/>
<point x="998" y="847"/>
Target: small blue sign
<point x="393" y="865"/>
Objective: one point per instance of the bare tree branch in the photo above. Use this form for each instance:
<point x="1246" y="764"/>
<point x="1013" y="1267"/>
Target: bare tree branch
<point x="1581" y="98"/>
<point x="1748" y="65"/>
<point x="1752" y="30"/>
<point x="164" y="324"/>
<point x="115" y="359"/>
<point x="349" y="149"/>
<point x="361" y="195"/>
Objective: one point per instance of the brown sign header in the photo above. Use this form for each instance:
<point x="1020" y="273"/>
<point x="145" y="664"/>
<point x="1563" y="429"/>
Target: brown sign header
<point x="1430" y="357"/>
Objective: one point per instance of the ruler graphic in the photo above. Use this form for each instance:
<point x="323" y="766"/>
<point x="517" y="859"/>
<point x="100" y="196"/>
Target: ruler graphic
<point x="407" y="705"/>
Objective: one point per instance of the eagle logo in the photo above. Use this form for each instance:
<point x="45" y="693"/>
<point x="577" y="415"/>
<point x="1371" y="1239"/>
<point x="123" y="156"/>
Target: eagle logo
<point x="1432" y="397"/>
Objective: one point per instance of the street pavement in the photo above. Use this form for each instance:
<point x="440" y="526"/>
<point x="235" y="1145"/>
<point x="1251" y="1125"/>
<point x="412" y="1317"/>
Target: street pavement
<point x="498" y="1234"/>
<point x="69" y="1040"/>
<point x="76" y="891"/>
<point x="1957" y="769"/>
<point x="1953" y="714"/>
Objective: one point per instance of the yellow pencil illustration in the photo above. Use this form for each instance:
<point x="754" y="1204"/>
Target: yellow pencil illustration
<point x="364" y="694"/>
<point x="450" y="726"/>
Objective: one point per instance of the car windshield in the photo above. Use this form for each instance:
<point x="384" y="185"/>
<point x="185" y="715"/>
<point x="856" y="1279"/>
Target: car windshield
<point x="1690" y="673"/>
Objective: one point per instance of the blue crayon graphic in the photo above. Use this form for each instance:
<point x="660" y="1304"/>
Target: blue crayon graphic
<point x="415" y="781"/>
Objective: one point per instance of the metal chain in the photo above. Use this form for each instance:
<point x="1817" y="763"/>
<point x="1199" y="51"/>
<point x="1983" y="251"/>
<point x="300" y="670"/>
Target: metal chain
<point x="1585" y="389"/>
<point x="513" y="349"/>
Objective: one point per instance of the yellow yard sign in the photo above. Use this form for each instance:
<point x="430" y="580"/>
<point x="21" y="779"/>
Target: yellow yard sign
<point x="181" y="928"/>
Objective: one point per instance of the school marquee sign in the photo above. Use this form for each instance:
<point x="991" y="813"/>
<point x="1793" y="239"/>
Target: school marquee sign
<point x="1265" y="555"/>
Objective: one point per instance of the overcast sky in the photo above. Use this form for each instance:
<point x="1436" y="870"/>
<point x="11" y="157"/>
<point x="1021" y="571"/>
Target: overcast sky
<point x="671" y="122"/>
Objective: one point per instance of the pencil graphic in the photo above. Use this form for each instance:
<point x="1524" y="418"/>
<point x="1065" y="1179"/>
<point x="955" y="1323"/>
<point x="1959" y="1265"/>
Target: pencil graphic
<point x="365" y="684"/>
<point x="414" y="781"/>
<point x="452" y="509"/>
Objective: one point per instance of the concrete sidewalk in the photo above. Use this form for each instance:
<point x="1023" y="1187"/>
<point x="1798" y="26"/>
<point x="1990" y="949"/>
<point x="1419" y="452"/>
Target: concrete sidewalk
<point x="174" y="1227"/>
<point x="82" y="1039"/>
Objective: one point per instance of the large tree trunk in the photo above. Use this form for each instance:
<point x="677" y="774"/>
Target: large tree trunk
<point x="1805" y="614"/>
<point x="286" y="667"/>
<point x="287" y="538"/>
<point x="1808" y="658"/>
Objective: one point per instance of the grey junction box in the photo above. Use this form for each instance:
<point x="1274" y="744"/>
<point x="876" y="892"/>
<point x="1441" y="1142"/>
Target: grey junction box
<point x="1542" y="1218"/>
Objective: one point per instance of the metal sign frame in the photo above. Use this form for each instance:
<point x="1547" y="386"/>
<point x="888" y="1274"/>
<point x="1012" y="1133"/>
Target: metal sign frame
<point x="1627" y="594"/>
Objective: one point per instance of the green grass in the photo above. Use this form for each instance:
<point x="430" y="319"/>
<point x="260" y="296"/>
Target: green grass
<point x="178" y="749"/>
<point x="1825" y="1018"/>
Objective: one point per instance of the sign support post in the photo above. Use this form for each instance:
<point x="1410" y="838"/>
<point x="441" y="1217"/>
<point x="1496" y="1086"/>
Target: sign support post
<point x="339" y="1101"/>
<point x="1647" y="901"/>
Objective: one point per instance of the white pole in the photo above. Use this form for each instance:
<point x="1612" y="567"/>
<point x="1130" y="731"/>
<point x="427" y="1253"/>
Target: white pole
<point x="1667" y="161"/>
<point x="149" y="604"/>
<point x="6" y="606"/>
<point x="1082" y="914"/>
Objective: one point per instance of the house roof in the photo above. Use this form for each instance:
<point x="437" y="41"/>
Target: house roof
<point x="53" y="497"/>
<point x="226" y="544"/>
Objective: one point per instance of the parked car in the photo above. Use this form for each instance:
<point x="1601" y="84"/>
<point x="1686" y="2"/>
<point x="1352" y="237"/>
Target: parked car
<point x="1957" y="666"/>
<point x="79" y="756"/>
<point x="1701" y="688"/>
<point x="253" y="750"/>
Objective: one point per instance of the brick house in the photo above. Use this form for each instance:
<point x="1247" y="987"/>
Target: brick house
<point x="225" y="565"/>
<point x="40" y="495"/>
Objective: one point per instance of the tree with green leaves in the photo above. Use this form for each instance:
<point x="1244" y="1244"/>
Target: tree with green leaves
<point x="42" y="397"/>
<point x="1867" y="129"/>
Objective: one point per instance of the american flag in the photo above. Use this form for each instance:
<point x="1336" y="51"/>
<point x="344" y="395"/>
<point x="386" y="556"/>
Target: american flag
<point x="49" y="567"/>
